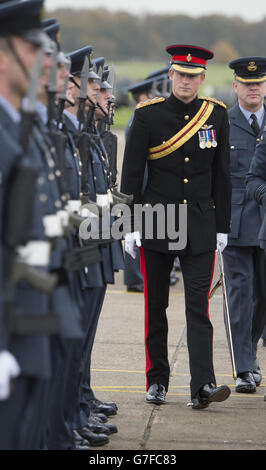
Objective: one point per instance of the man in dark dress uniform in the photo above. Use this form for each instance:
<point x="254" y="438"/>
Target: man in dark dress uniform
<point x="185" y="139"/>
<point x="244" y="260"/>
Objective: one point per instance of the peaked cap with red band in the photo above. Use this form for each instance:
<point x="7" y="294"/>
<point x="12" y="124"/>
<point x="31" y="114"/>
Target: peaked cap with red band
<point x="189" y="59"/>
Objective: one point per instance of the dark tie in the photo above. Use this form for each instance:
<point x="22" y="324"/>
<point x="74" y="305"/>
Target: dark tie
<point x="254" y="124"/>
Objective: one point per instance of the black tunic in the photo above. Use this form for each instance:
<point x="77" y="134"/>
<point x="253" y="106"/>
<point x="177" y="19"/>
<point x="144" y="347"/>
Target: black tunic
<point x="199" y="178"/>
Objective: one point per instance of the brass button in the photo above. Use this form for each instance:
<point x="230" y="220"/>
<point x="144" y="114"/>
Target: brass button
<point x="185" y="180"/>
<point x="185" y="201"/>
<point x="186" y="117"/>
<point x="51" y="163"/>
<point x="43" y="197"/>
<point x="187" y="159"/>
<point x="41" y="180"/>
<point x="58" y="204"/>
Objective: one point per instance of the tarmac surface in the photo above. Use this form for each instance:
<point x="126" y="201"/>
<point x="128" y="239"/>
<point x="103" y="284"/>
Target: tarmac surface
<point x="118" y="374"/>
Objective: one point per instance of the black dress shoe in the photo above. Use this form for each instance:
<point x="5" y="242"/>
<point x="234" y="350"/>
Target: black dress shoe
<point x="245" y="383"/>
<point x="210" y="393"/>
<point x="257" y="375"/>
<point x="112" y="427"/>
<point x="100" y="416"/>
<point x="99" y="407"/>
<point x="82" y="445"/>
<point x="97" y="428"/>
<point x="107" y="403"/>
<point x="138" y="288"/>
<point x="93" y="439"/>
<point x="156" y="394"/>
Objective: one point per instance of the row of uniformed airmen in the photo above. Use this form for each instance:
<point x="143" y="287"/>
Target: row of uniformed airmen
<point x="53" y="161"/>
<point x="57" y="154"/>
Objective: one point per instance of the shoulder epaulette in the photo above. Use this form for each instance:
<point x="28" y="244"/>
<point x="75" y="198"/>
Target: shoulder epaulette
<point x="158" y="99"/>
<point x="213" y="100"/>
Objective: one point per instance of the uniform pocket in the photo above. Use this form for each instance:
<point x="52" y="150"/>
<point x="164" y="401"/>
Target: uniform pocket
<point x="238" y="198"/>
<point x="239" y="156"/>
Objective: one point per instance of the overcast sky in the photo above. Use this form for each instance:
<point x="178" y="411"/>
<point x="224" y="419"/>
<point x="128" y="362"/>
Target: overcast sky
<point x="246" y="9"/>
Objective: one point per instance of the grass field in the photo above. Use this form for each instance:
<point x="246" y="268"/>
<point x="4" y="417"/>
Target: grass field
<point x="218" y="76"/>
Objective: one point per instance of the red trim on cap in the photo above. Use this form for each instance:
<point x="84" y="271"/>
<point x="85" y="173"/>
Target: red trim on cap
<point x="193" y="59"/>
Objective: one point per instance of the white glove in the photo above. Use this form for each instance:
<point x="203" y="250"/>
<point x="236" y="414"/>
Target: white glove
<point x="222" y="240"/>
<point x="132" y="240"/>
<point x="9" y="368"/>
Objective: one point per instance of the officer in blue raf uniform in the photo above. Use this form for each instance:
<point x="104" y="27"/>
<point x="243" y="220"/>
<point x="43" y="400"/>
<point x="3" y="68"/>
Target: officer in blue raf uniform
<point x="26" y="352"/>
<point x="66" y="298"/>
<point x="256" y="189"/>
<point x="94" y="278"/>
<point x="244" y="260"/>
<point x="102" y="183"/>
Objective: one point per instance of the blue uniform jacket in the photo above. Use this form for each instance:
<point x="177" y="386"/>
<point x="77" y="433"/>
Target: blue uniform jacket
<point x="246" y="213"/>
<point x="256" y="184"/>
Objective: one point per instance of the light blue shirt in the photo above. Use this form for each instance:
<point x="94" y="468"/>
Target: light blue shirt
<point x="259" y="114"/>
<point x="42" y="111"/>
<point x="10" y="110"/>
<point x="72" y="118"/>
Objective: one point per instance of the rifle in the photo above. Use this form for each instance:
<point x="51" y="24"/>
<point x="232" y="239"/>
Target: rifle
<point x="84" y="139"/>
<point x="20" y="197"/>
<point x="58" y="137"/>
<point x="110" y="144"/>
<point x="19" y="201"/>
<point x="62" y="98"/>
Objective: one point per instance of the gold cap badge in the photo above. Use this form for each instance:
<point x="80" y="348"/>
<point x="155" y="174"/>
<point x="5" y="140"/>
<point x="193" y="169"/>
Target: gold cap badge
<point x="189" y="57"/>
<point x="252" y="67"/>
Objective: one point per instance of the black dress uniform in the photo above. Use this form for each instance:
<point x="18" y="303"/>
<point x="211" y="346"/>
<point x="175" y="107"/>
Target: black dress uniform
<point x="190" y="168"/>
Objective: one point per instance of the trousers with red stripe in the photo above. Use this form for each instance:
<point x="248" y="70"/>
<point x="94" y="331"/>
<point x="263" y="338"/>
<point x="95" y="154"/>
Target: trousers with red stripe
<point x="197" y="271"/>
